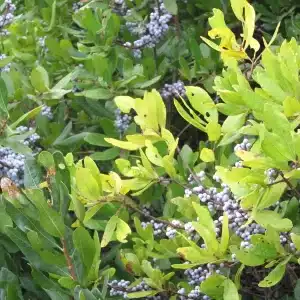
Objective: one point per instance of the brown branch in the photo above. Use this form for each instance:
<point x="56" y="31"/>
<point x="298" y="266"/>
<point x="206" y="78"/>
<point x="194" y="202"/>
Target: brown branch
<point x="68" y="260"/>
<point x="275" y="182"/>
<point x="129" y="203"/>
<point x="177" y="26"/>
<point x="289" y="184"/>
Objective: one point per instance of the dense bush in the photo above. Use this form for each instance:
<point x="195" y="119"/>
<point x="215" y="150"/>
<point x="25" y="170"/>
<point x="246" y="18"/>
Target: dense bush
<point x="149" y="149"/>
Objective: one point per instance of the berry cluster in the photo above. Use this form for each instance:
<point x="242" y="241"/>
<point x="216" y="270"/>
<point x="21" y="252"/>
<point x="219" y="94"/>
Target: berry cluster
<point x="120" y="7"/>
<point x="7" y="67"/>
<point x="171" y="230"/>
<point x="174" y="90"/>
<point x="285" y="240"/>
<point x="76" y="6"/>
<point x="41" y="41"/>
<point x="46" y="111"/>
<point x="194" y="294"/>
<point x="159" y="229"/>
<point x="11" y="163"/>
<point x="122" y="121"/>
<point x="7" y="16"/>
<point x="151" y="33"/>
<point x="123" y="287"/>
<point x="223" y="201"/>
<point x="244" y="145"/>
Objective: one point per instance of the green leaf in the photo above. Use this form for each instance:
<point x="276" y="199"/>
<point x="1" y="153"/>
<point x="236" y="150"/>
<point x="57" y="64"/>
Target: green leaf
<point x="84" y="243"/>
<point x="67" y="282"/>
<point x="108" y="154"/>
<point x="53" y="16"/>
<point x="276" y="148"/>
<point x="3" y="97"/>
<point x="146" y="84"/>
<point x="273" y="277"/>
<point x="39" y="79"/>
<point x="291" y="106"/>
<point x="50" y="220"/>
<point x="65" y="80"/>
<point x="29" y="115"/>
<point x="233" y="123"/>
<point x="213" y="286"/>
<point x="271" y="195"/>
<point x="171" y="6"/>
<point x="207" y="155"/>
<point x="247" y="258"/>
<point x="271" y="218"/>
<point x="141" y="294"/>
<point x="46" y="159"/>
<point x="204" y="216"/>
<point x="97" y="94"/>
<point x="230" y="290"/>
<point x="96" y="139"/>
<point x="297" y="290"/>
<point x="5" y="220"/>
<point x="296" y="240"/>
<point x="32" y="173"/>
<point x="109" y="231"/>
<point x="208" y="236"/>
<point x="195" y="255"/>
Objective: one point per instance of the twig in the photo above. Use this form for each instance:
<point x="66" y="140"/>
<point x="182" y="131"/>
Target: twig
<point x="289" y="184"/>
<point x="68" y="260"/>
<point x="3" y="126"/>
<point x="177" y="26"/>
<point x="129" y="203"/>
<point x="276" y="182"/>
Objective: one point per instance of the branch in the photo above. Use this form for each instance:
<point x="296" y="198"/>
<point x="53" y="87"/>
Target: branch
<point x="275" y="182"/>
<point x="68" y="260"/>
<point x="129" y="203"/>
<point x="289" y="184"/>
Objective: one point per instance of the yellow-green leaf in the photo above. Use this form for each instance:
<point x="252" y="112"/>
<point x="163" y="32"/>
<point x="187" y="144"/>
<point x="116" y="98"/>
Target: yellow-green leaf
<point x="273" y="277"/>
<point x="122" y="231"/>
<point x="87" y="185"/>
<point x="207" y="155"/>
<point x="125" y="103"/>
<point x="225" y="235"/>
<point x="213" y="130"/>
<point x="122" y="144"/>
<point x="109" y="231"/>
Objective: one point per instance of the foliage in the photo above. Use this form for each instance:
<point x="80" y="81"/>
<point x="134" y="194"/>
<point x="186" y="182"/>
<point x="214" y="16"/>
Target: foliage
<point x="150" y="150"/>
